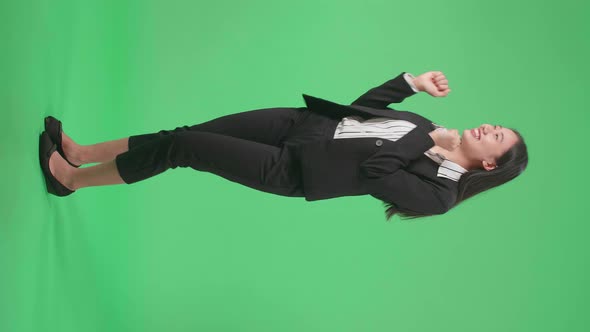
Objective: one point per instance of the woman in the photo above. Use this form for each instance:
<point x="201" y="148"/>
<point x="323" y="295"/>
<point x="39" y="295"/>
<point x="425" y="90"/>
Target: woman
<point x="321" y="151"/>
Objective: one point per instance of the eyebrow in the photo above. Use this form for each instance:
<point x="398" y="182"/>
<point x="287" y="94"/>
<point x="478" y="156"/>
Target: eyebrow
<point x="502" y="140"/>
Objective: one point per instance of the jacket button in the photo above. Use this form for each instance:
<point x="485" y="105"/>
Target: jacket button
<point x="378" y="142"/>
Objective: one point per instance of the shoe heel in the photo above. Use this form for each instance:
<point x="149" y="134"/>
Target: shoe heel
<point x="54" y="128"/>
<point x="46" y="148"/>
<point x="50" y="188"/>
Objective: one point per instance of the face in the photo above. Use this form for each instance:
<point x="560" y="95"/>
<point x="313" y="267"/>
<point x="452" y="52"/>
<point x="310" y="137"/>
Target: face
<point x="486" y="143"/>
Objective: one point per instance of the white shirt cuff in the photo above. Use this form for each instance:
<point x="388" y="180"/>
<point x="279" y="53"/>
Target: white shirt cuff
<point x="409" y="78"/>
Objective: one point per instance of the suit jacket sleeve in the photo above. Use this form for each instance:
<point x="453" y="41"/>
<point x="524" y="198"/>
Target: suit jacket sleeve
<point x="387" y="179"/>
<point x="392" y="91"/>
<point x="409" y="191"/>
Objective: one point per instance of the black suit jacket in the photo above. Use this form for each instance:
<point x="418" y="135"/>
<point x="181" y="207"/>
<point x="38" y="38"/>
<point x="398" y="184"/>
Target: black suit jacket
<point x="394" y="172"/>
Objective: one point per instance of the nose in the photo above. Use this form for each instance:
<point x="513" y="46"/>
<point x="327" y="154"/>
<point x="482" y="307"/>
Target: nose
<point x="485" y="129"/>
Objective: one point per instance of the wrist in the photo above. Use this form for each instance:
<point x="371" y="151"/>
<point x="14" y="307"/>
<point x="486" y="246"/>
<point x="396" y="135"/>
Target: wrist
<point x="417" y="84"/>
<point x="410" y="80"/>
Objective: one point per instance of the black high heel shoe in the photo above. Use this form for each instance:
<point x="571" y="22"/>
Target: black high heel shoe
<point x="53" y="128"/>
<point x="46" y="148"/>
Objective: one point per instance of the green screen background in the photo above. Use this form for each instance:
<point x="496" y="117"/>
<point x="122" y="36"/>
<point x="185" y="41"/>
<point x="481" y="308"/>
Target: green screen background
<point x="190" y="251"/>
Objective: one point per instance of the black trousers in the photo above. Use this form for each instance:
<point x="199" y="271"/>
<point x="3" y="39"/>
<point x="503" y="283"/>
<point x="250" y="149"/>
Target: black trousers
<point x="255" y="148"/>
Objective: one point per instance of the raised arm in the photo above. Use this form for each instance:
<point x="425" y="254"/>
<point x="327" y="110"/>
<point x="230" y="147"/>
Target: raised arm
<point x="404" y="85"/>
<point x="392" y="91"/>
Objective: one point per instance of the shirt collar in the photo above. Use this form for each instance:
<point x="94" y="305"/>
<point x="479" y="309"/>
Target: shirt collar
<point x="447" y="168"/>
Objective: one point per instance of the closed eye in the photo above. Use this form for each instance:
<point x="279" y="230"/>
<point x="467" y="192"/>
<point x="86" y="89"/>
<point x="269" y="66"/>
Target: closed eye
<point x="496" y="127"/>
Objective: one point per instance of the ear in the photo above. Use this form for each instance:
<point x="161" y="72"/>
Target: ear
<point x="488" y="166"/>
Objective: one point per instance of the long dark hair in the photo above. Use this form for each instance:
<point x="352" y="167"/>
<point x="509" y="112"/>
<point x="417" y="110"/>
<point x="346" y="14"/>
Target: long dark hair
<point x="509" y="165"/>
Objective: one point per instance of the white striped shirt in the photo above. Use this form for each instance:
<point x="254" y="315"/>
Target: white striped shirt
<point x="391" y="129"/>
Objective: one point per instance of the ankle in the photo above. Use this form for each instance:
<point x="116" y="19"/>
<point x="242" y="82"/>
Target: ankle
<point x="81" y="155"/>
<point x="62" y="171"/>
<point x="72" y="177"/>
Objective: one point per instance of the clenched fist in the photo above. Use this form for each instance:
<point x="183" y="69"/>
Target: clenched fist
<point x="446" y="139"/>
<point x="434" y="83"/>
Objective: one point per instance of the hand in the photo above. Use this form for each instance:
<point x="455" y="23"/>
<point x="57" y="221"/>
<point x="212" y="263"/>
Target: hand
<point x="446" y="139"/>
<point x="434" y="83"/>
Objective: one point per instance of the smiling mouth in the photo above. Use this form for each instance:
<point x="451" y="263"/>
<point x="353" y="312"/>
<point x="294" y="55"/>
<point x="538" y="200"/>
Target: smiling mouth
<point x="476" y="133"/>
